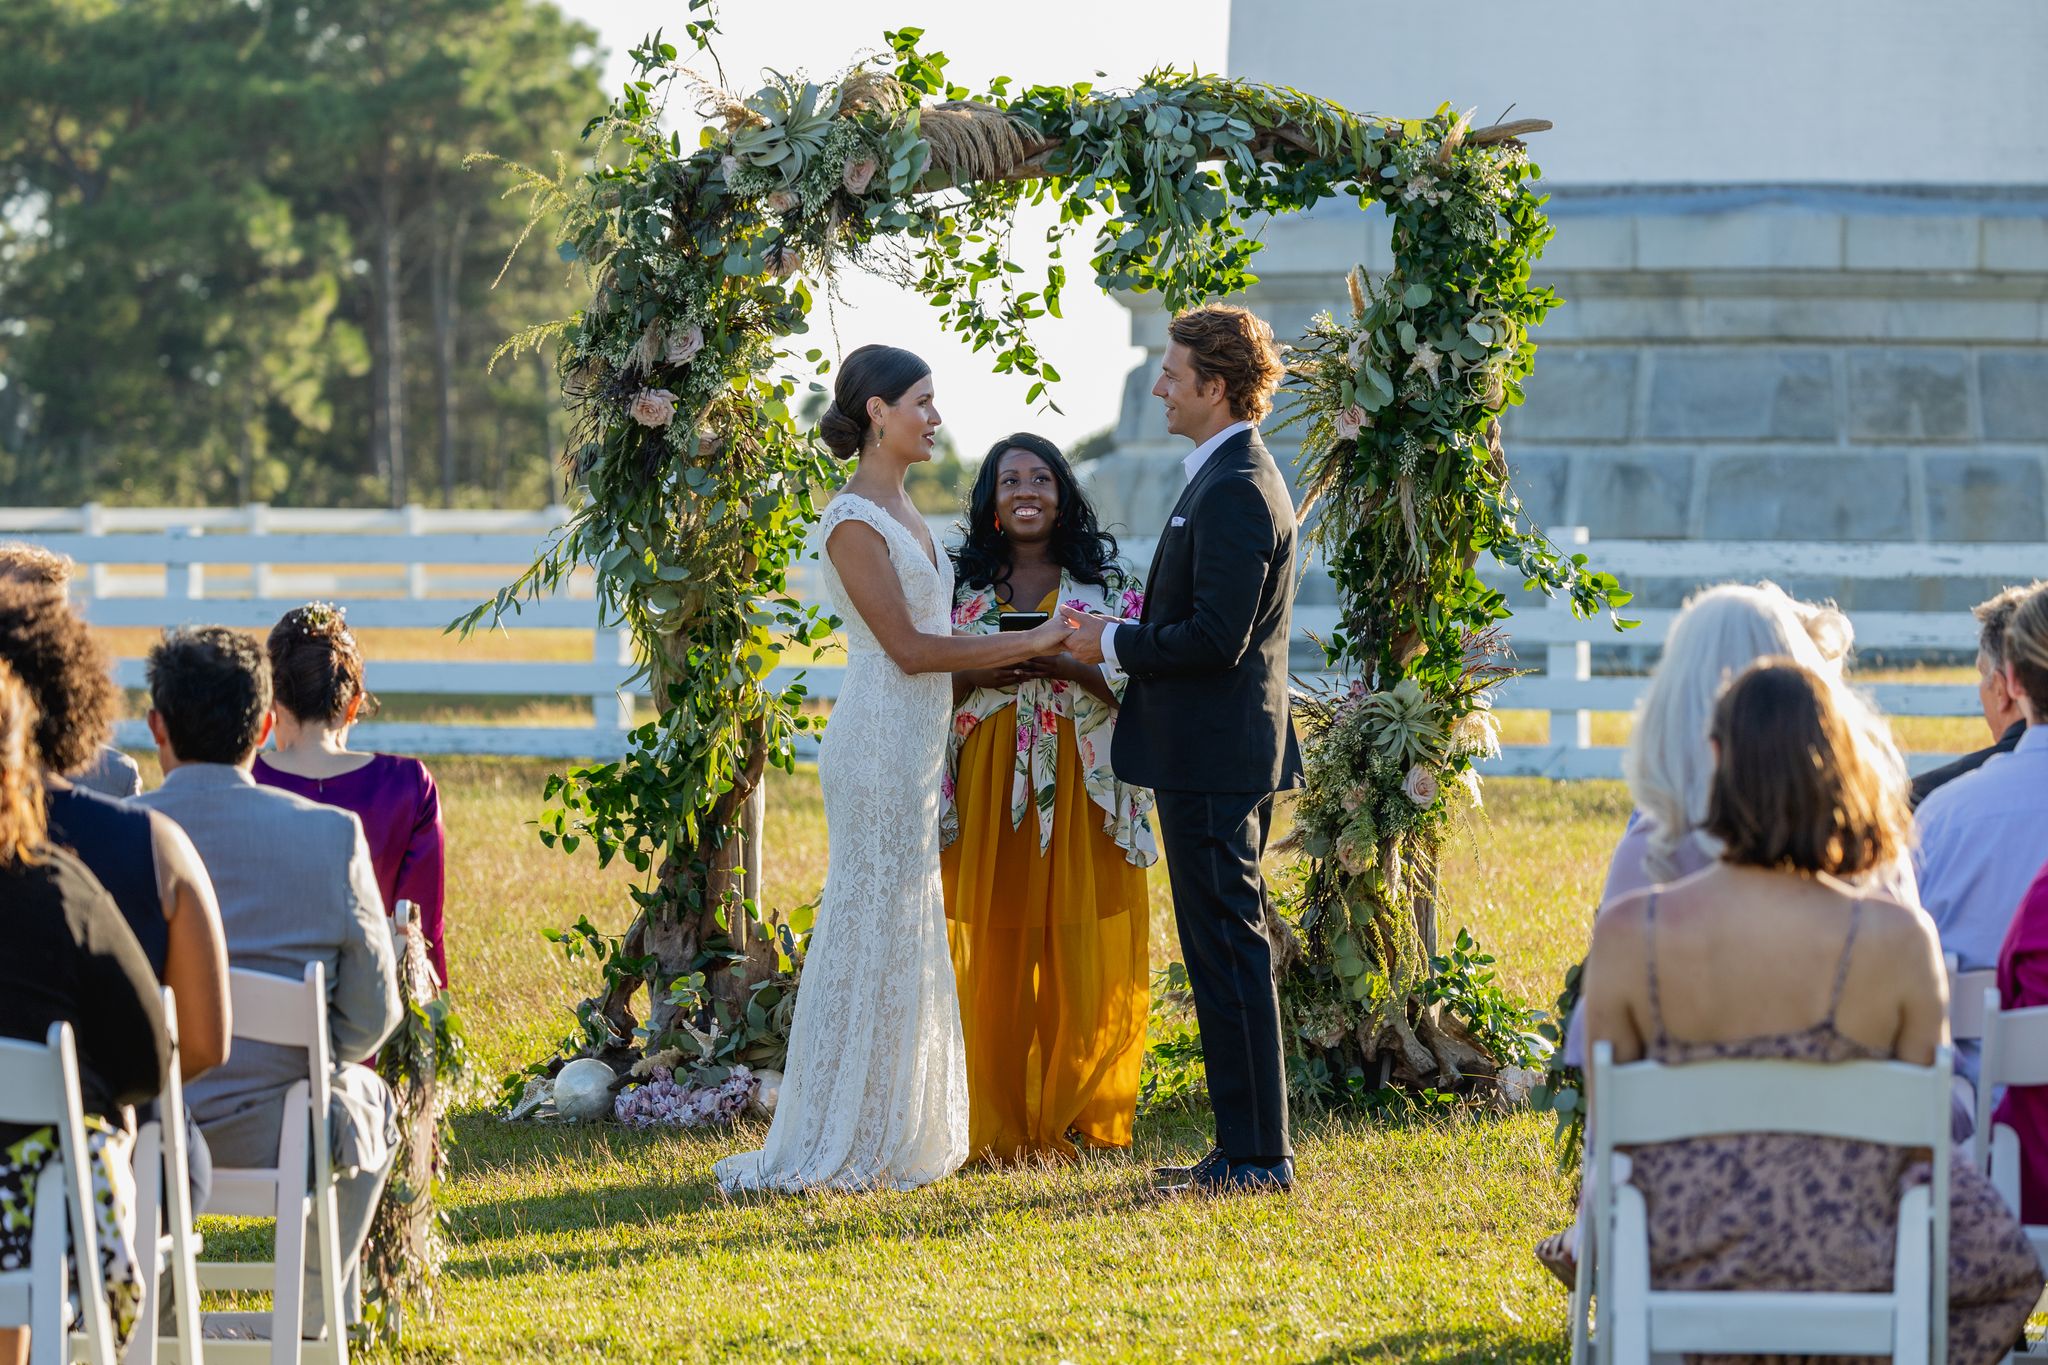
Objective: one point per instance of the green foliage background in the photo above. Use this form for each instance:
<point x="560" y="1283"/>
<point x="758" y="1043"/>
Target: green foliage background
<point x="192" y="198"/>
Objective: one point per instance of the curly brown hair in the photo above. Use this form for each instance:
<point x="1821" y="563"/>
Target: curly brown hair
<point x="22" y="820"/>
<point x="66" y="671"/>
<point x="1236" y="346"/>
<point x="22" y="562"/>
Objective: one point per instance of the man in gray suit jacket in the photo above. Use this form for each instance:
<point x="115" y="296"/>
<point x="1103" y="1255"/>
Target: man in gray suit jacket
<point x="296" y="886"/>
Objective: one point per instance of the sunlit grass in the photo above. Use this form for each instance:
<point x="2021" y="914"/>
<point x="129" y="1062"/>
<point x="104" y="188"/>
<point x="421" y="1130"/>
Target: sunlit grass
<point x="1401" y="1243"/>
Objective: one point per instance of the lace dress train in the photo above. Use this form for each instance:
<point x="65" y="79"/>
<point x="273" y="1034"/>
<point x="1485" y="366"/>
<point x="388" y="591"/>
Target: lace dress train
<point x="875" y="1094"/>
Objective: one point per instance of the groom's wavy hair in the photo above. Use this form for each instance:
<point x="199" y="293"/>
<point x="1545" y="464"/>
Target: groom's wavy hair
<point x="1079" y="545"/>
<point x="1236" y="346"/>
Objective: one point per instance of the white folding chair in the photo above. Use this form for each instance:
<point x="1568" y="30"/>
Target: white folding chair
<point x="1648" y="1102"/>
<point x="2015" y="1053"/>
<point x="39" y="1086"/>
<point x="272" y="1009"/>
<point x="163" y="1200"/>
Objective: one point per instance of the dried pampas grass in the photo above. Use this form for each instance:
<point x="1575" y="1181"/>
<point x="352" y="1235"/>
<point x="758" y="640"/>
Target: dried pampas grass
<point x="864" y="89"/>
<point x="971" y="140"/>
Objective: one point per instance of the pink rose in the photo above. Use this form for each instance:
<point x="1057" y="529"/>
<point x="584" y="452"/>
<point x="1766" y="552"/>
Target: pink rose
<point x="1351" y="421"/>
<point x="860" y="170"/>
<point x="1420" y="786"/>
<point x="783" y="201"/>
<point x="653" y="407"/>
<point x="684" y="345"/>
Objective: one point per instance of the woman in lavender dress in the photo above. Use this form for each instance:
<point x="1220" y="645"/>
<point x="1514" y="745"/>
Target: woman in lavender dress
<point x="316" y="673"/>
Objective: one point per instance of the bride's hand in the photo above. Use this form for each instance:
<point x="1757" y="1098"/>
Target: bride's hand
<point x="1051" y="637"/>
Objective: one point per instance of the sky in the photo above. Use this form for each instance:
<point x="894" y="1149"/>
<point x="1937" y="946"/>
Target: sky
<point x="1110" y="42"/>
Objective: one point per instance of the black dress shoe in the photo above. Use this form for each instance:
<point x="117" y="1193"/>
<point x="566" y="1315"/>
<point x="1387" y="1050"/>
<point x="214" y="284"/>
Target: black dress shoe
<point x="1236" y="1177"/>
<point x="1180" y="1175"/>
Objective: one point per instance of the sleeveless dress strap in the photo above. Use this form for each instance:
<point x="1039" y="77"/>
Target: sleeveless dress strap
<point x="1650" y="963"/>
<point x="1842" y="967"/>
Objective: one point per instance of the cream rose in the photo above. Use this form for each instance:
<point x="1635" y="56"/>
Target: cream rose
<point x="729" y="166"/>
<point x="783" y="201"/>
<point x="783" y="261"/>
<point x="653" y="407"/>
<point x="684" y="345"/>
<point x="860" y="172"/>
<point x="1420" y="786"/>
<point x="1351" y="421"/>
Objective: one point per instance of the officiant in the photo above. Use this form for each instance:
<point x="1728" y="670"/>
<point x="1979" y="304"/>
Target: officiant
<point x="1045" y="851"/>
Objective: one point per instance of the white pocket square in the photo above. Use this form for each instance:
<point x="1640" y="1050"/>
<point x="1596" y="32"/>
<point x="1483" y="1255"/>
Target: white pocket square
<point x="1179" y="521"/>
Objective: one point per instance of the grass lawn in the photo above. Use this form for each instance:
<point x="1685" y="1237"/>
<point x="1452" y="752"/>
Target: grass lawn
<point x="599" y="1244"/>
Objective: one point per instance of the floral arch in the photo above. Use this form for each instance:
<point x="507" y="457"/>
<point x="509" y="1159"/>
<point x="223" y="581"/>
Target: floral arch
<point x="699" y="489"/>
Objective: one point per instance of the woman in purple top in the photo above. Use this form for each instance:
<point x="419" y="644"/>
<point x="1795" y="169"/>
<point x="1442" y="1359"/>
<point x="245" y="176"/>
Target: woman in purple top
<point x="316" y="674"/>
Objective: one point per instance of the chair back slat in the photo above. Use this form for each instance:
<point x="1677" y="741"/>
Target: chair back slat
<point x="31" y="1082"/>
<point x="277" y="1009"/>
<point x="2020" y="1052"/>
<point x="1887" y="1102"/>
<point x="1966" y="1001"/>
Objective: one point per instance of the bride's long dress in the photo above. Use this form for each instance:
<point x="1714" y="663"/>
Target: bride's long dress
<point x="875" y="1095"/>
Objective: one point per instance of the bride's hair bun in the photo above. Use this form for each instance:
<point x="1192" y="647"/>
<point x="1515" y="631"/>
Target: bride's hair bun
<point x="841" y="433"/>
<point x="884" y="372"/>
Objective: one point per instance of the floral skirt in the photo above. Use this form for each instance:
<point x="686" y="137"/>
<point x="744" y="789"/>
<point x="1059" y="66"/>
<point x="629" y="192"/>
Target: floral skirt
<point x="111" y="1154"/>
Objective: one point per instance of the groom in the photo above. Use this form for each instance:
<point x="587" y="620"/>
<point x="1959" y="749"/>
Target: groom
<point x="1205" y="723"/>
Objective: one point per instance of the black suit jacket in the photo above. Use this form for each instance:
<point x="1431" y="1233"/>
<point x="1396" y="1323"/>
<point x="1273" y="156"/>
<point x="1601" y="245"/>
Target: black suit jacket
<point x="1925" y="784"/>
<point x="1206" y="709"/>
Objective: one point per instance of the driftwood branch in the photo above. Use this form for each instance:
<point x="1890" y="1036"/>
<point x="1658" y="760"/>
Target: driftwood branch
<point x="1037" y="152"/>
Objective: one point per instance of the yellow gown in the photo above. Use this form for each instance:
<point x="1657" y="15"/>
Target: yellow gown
<point x="1050" y="949"/>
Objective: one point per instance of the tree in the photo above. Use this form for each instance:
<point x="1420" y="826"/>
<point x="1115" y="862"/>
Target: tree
<point x="218" y="220"/>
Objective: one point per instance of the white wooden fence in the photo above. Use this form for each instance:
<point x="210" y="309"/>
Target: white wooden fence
<point x="244" y="567"/>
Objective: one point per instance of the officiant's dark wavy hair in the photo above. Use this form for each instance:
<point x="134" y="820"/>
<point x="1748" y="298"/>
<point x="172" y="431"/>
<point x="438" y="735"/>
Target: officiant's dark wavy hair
<point x="1082" y="548"/>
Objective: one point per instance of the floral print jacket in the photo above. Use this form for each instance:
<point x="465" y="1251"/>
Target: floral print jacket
<point x="1041" y="704"/>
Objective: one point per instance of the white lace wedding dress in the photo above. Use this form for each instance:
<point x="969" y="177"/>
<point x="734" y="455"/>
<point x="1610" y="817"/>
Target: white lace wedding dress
<point x="875" y="1094"/>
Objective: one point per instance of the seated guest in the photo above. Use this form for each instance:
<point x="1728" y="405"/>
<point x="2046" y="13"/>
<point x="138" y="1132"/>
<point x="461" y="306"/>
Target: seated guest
<point x="295" y="886"/>
<point x="69" y="957"/>
<point x="1770" y="953"/>
<point x="109" y="772"/>
<point x="1983" y="835"/>
<point x="316" y="676"/>
<point x="143" y="859"/>
<point x="2001" y="708"/>
<point x="2023" y="984"/>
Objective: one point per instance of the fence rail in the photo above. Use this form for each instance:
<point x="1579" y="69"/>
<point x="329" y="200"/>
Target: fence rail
<point x="419" y="568"/>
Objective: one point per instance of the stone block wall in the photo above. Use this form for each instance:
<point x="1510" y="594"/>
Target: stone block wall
<point x="1736" y="363"/>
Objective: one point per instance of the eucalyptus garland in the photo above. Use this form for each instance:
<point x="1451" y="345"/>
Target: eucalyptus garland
<point x="697" y="489"/>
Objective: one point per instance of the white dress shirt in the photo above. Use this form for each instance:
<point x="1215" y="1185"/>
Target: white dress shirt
<point x="1190" y="466"/>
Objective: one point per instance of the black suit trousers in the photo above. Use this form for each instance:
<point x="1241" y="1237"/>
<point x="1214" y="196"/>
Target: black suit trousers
<point x="1213" y="843"/>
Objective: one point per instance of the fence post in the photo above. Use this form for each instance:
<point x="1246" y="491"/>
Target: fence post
<point x="259" y="574"/>
<point x="92" y="520"/>
<point x="184" y="582"/>
<point x="611" y="712"/>
<point x="1570" y="660"/>
<point x="415" y="574"/>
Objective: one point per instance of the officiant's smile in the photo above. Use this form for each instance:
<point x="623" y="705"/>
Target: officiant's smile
<point x="1027" y="496"/>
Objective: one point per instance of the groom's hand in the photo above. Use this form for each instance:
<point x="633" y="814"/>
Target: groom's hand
<point x="1085" y="644"/>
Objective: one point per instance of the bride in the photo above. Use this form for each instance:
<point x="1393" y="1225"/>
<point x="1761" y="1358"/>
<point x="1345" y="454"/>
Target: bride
<point x="875" y="1095"/>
